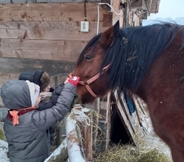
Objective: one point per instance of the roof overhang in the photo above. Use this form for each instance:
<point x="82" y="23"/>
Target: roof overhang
<point x="154" y="6"/>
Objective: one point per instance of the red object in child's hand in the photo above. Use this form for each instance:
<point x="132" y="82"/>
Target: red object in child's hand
<point x="74" y="80"/>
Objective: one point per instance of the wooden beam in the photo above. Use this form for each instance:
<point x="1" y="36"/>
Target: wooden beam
<point x="124" y="115"/>
<point x="108" y="121"/>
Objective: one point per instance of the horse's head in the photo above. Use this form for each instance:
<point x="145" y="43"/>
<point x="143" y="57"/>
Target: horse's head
<point x="91" y="68"/>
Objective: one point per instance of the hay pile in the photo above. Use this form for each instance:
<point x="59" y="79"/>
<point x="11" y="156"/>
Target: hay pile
<point x="144" y="151"/>
<point x="130" y="154"/>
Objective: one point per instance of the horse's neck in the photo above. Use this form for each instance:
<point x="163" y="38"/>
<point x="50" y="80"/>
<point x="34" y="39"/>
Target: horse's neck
<point x="141" y="47"/>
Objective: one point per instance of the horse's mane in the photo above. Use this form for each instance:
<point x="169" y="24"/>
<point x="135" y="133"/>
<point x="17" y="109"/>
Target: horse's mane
<point x="133" y="51"/>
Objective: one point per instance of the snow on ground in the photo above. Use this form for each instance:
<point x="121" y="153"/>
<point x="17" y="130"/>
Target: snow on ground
<point x="3" y="151"/>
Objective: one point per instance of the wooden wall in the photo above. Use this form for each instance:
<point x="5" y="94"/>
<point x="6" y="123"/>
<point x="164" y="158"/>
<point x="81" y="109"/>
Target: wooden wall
<point x="45" y="30"/>
<point x="44" y="36"/>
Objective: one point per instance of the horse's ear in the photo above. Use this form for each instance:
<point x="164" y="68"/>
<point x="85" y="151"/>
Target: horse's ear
<point x="107" y="38"/>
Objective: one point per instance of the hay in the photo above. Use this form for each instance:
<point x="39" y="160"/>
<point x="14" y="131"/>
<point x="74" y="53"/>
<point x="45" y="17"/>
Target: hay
<point x="2" y="136"/>
<point x="154" y="156"/>
<point x="128" y="153"/>
<point x="141" y="151"/>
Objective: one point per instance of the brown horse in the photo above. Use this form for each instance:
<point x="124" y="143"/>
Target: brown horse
<point x="149" y="61"/>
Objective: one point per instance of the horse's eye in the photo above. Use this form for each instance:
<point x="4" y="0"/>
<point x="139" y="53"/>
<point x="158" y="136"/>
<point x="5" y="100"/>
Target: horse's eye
<point x="88" y="57"/>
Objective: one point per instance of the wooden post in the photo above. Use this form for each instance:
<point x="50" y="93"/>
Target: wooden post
<point x="97" y="121"/>
<point x="108" y="122"/>
<point x="58" y="136"/>
<point x="87" y="140"/>
<point x="74" y="152"/>
<point x="79" y="140"/>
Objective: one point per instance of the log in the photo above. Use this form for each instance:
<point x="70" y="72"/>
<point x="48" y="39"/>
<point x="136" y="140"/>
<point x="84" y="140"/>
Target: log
<point x="74" y="152"/>
<point x="87" y="139"/>
<point x="60" y="154"/>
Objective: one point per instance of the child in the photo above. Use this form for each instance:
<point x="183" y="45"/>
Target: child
<point x="25" y="127"/>
<point x="48" y="95"/>
<point x="38" y="77"/>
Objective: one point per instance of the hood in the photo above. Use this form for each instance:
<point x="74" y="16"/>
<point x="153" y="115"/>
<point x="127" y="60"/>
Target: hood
<point x="38" y="77"/>
<point x="16" y="94"/>
<point x="32" y="76"/>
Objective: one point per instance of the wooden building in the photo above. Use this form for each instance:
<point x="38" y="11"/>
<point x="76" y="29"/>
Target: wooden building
<point x="46" y="34"/>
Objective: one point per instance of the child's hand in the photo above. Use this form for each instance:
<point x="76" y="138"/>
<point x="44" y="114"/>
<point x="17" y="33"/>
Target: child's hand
<point x="74" y="80"/>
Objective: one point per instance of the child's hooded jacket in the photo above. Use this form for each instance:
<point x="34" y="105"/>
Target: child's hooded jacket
<point x="28" y="140"/>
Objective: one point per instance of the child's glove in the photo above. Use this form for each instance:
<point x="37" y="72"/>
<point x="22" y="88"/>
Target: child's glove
<point x="74" y="80"/>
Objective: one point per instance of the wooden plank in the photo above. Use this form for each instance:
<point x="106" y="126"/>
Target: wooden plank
<point x="23" y="44"/>
<point x="124" y="116"/>
<point x="96" y="121"/>
<point x="73" y="49"/>
<point x="49" y="6"/>
<point x="49" y="12"/>
<point x="32" y="54"/>
<point x="47" y="30"/>
<point x="10" y="65"/>
<point x="87" y="138"/>
<point x="108" y="122"/>
<point x="4" y="77"/>
<point x="9" y="25"/>
<point x="39" y="55"/>
<point x="12" y="33"/>
<point x="42" y="49"/>
<point x="59" y="30"/>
